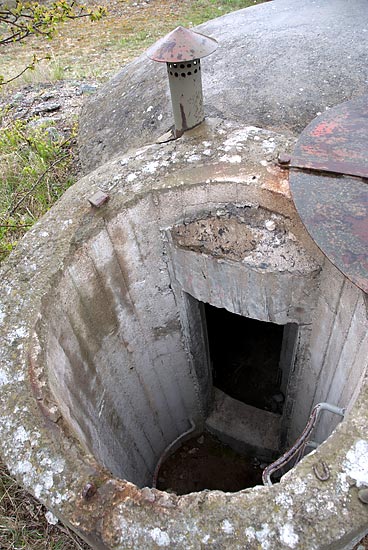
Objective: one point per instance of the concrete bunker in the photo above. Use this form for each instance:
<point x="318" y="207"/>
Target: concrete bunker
<point x="104" y="359"/>
<point x="113" y="345"/>
<point x="116" y="361"/>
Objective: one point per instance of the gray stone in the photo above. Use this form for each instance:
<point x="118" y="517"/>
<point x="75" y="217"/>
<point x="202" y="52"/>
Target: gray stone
<point x="87" y="89"/>
<point x="54" y="134"/>
<point x="363" y="495"/>
<point x="40" y="122"/>
<point x="278" y="64"/>
<point x="46" y="108"/>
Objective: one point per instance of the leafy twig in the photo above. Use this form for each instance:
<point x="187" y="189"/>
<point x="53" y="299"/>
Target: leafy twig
<point x="57" y="161"/>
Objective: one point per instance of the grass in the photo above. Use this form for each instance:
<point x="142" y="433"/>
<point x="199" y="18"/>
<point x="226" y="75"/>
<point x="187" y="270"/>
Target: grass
<point x="35" y="162"/>
<point x="122" y="35"/>
<point x="23" y="523"/>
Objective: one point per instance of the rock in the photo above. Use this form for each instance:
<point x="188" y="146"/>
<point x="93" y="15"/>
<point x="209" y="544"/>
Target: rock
<point x="148" y="494"/>
<point x="54" y="134"/>
<point x="46" y="108"/>
<point x="51" y="518"/>
<point x="260" y="75"/>
<point x="47" y="95"/>
<point x="18" y="97"/>
<point x="270" y="225"/>
<point x="39" y="122"/>
<point x="363" y="495"/>
<point x="87" y="89"/>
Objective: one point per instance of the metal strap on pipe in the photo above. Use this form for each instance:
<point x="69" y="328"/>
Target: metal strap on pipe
<point x="298" y="448"/>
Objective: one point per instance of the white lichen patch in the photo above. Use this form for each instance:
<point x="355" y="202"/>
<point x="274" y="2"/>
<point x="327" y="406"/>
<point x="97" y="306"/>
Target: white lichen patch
<point x="356" y="463"/>
<point x="268" y="145"/>
<point x="298" y="486"/>
<point x="288" y="535"/>
<point x="21" y="435"/>
<point x="194" y="158"/>
<point x="4" y="378"/>
<point x="240" y="136"/>
<point x="33" y="465"/>
<point x="20" y="332"/>
<point x="151" y="167"/>
<point x="51" y="518"/>
<point x="131" y="177"/>
<point x="160" y="537"/>
<point x="323" y="505"/>
<point x="284" y="499"/>
<point x="250" y="533"/>
<point x="227" y="527"/>
<point x="264" y="537"/>
<point x="232" y="159"/>
<point x="9" y="376"/>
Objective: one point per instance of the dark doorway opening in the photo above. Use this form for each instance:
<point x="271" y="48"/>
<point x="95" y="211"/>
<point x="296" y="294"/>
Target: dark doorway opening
<point x="245" y="356"/>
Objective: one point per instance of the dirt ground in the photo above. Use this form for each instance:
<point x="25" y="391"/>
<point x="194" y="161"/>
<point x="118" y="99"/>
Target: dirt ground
<point x="205" y="463"/>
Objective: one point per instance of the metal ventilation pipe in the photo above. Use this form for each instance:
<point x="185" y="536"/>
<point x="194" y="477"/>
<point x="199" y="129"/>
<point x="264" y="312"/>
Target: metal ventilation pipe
<point x="182" y="50"/>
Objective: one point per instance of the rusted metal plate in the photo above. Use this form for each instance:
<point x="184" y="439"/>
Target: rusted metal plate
<point x="181" y="45"/>
<point x="334" y="209"/>
<point x="336" y="141"/>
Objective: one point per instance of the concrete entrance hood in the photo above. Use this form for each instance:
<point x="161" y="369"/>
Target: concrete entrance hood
<point x="98" y="372"/>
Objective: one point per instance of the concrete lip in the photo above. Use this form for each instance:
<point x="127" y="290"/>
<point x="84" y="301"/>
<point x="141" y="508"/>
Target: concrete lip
<point x="84" y="345"/>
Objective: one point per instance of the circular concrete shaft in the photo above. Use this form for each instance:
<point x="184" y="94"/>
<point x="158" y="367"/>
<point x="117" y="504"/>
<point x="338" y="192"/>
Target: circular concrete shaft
<point x="98" y="362"/>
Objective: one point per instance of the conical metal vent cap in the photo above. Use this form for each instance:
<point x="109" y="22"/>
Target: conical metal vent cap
<point x="181" y="45"/>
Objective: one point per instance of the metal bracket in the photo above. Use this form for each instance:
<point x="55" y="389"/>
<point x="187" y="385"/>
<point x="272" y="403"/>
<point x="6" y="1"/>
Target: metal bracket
<point x="298" y="448"/>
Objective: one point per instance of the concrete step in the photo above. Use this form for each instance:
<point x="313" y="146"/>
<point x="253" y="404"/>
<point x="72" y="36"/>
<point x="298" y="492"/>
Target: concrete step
<point x="244" y="428"/>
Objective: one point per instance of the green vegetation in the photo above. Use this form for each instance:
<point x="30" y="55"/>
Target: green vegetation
<point x="20" y="20"/>
<point x="35" y="163"/>
<point x="187" y="14"/>
<point x="203" y="10"/>
<point x="122" y="34"/>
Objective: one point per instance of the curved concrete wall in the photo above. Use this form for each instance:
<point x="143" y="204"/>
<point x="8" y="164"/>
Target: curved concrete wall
<point x="115" y="352"/>
<point x="96" y="361"/>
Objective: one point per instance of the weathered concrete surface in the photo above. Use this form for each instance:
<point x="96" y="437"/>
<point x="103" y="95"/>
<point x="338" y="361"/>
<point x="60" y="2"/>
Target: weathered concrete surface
<point x="245" y="428"/>
<point x="46" y="440"/>
<point x="277" y="66"/>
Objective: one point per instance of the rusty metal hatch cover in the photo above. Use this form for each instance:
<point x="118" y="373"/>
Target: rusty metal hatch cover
<point x="329" y="185"/>
<point x="181" y="45"/>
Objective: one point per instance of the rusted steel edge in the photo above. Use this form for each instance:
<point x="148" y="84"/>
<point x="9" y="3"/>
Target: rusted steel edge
<point x="329" y="169"/>
<point x="336" y="141"/>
